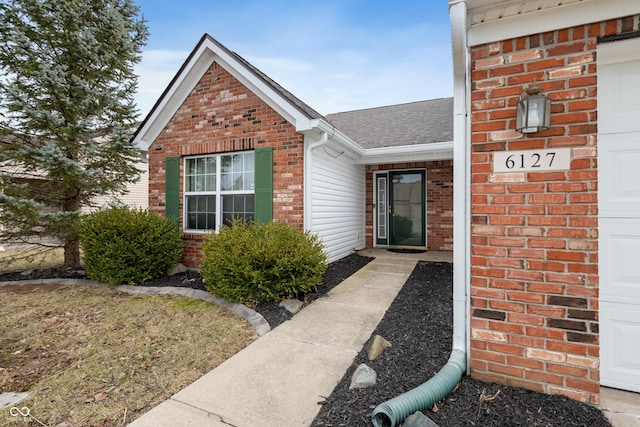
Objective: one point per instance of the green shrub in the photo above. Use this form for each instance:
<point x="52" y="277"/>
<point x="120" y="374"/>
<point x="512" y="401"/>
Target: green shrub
<point x="250" y="262"/>
<point x="122" y="245"/>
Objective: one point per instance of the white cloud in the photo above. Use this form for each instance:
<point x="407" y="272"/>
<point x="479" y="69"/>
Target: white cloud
<point x="354" y="78"/>
<point x="345" y="55"/>
<point x="335" y="71"/>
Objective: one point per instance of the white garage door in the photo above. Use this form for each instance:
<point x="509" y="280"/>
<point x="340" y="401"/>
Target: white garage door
<point x="619" y="212"/>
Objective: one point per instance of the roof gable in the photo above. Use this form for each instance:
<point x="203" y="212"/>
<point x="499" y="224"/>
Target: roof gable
<point x="207" y="51"/>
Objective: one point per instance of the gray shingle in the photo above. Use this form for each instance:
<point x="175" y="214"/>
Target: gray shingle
<point x="294" y="100"/>
<point x="420" y="122"/>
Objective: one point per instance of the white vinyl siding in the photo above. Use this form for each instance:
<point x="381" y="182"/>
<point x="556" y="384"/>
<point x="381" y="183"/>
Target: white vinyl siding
<point x="337" y="208"/>
<point x="137" y="196"/>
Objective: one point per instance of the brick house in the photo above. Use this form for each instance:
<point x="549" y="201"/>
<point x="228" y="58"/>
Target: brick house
<point x="548" y="252"/>
<point x="546" y="278"/>
<point x="224" y="140"/>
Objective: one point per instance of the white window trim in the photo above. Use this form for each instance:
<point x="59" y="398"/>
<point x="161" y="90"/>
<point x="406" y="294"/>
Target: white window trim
<point x="218" y="192"/>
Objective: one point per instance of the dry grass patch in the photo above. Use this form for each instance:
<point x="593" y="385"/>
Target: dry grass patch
<point x="30" y="258"/>
<point x="93" y="356"/>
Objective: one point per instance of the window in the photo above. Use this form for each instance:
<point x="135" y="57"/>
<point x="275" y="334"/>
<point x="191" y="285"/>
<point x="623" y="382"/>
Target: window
<point x="218" y="188"/>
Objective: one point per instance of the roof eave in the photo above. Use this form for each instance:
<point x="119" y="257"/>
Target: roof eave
<point x="337" y="138"/>
<point x="407" y="153"/>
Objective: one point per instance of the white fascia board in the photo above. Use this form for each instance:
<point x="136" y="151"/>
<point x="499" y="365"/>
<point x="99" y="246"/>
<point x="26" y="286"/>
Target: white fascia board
<point x="337" y="139"/>
<point x="177" y="93"/>
<point x="564" y="16"/>
<point x="407" y="153"/>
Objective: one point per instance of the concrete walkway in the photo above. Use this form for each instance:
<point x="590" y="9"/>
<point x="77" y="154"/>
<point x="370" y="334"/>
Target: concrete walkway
<point x="622" y="408"/>
<point x="279" y="379"/>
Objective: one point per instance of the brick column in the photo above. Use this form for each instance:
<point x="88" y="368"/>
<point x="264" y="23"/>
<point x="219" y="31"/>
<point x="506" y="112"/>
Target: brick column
<point x="534" y="262"/>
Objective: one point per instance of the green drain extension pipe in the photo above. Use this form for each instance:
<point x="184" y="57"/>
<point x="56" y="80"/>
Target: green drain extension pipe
<point x="391" y="412"/>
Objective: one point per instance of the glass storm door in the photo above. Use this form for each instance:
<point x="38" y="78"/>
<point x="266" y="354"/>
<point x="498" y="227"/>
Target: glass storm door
<point x="400" y="209"/>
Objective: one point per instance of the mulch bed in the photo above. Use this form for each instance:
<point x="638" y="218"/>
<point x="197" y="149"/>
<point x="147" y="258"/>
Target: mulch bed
<point x="418" y="325"/>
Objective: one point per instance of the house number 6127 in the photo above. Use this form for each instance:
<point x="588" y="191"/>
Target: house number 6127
<point x="532" y="160"/>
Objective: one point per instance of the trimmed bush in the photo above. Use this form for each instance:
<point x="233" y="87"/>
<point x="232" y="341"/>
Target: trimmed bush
<point x="250" y="262"/>
<point x="128" y="246"/>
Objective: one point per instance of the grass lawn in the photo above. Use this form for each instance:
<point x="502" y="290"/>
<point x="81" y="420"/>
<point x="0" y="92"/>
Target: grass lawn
<point x="93" y="356"/>
<point x="26" y="259"/>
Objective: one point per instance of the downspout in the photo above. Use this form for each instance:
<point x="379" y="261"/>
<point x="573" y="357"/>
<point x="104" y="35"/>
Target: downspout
<point x="394" y="411"/>
<point x="308" y="180"/>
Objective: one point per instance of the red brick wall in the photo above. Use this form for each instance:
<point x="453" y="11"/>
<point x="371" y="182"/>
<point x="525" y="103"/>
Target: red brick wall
<point x="222" y="115"/>
<point x="534" y="248"/>
<point x="439" y="178"/>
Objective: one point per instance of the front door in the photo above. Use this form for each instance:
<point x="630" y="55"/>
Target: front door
<point x="619" y="213"/>
<point x="400" y="209"/>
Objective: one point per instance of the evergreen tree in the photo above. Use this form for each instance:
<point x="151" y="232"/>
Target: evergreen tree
<point x="66" y="112"/>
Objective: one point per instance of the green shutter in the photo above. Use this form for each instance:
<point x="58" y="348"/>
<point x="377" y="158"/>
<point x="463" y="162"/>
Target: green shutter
<point x="264" y="185"/>
<point x="172" y="188"/>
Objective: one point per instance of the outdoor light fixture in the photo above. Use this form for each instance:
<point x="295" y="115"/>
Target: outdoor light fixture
<point x="533" y="111"/>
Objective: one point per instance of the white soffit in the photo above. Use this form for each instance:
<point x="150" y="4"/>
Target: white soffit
<point x="492" y="20"/>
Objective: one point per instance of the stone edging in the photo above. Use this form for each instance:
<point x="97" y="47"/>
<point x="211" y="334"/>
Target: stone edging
<point x="254" y="318"/>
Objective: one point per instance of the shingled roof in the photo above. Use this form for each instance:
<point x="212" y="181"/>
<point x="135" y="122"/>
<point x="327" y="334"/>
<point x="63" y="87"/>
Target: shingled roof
<point x="420" y="122"/>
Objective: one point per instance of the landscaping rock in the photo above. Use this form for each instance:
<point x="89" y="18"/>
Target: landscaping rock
<point x="418" y="419"/>
<point x="377" y="346"/>
<point x="291" y="305"/>
<point x="177" y="269"/>
<point x="363" y="377"/>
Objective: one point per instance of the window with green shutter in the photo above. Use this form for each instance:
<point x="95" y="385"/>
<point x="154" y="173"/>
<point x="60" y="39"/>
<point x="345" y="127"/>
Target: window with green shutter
<point x="219" y="188"/>
<point x="172" y="188"/>
<point x="264" y="185"/>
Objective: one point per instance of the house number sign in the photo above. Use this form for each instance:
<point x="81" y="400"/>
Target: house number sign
<point x="532" y="160"/>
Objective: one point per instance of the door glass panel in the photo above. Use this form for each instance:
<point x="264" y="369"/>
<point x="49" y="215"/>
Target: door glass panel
<point x="407" y="209"/>
<point x="382" y="207"/>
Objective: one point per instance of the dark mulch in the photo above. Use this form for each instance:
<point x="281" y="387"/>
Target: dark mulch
<point x="418" y="324"/>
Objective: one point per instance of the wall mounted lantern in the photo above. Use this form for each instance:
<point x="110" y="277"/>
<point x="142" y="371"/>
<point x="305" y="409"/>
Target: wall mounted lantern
<point x="533" y="111"/>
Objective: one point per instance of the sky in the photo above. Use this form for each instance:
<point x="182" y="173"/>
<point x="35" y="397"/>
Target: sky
<point x="334" y="55"/>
